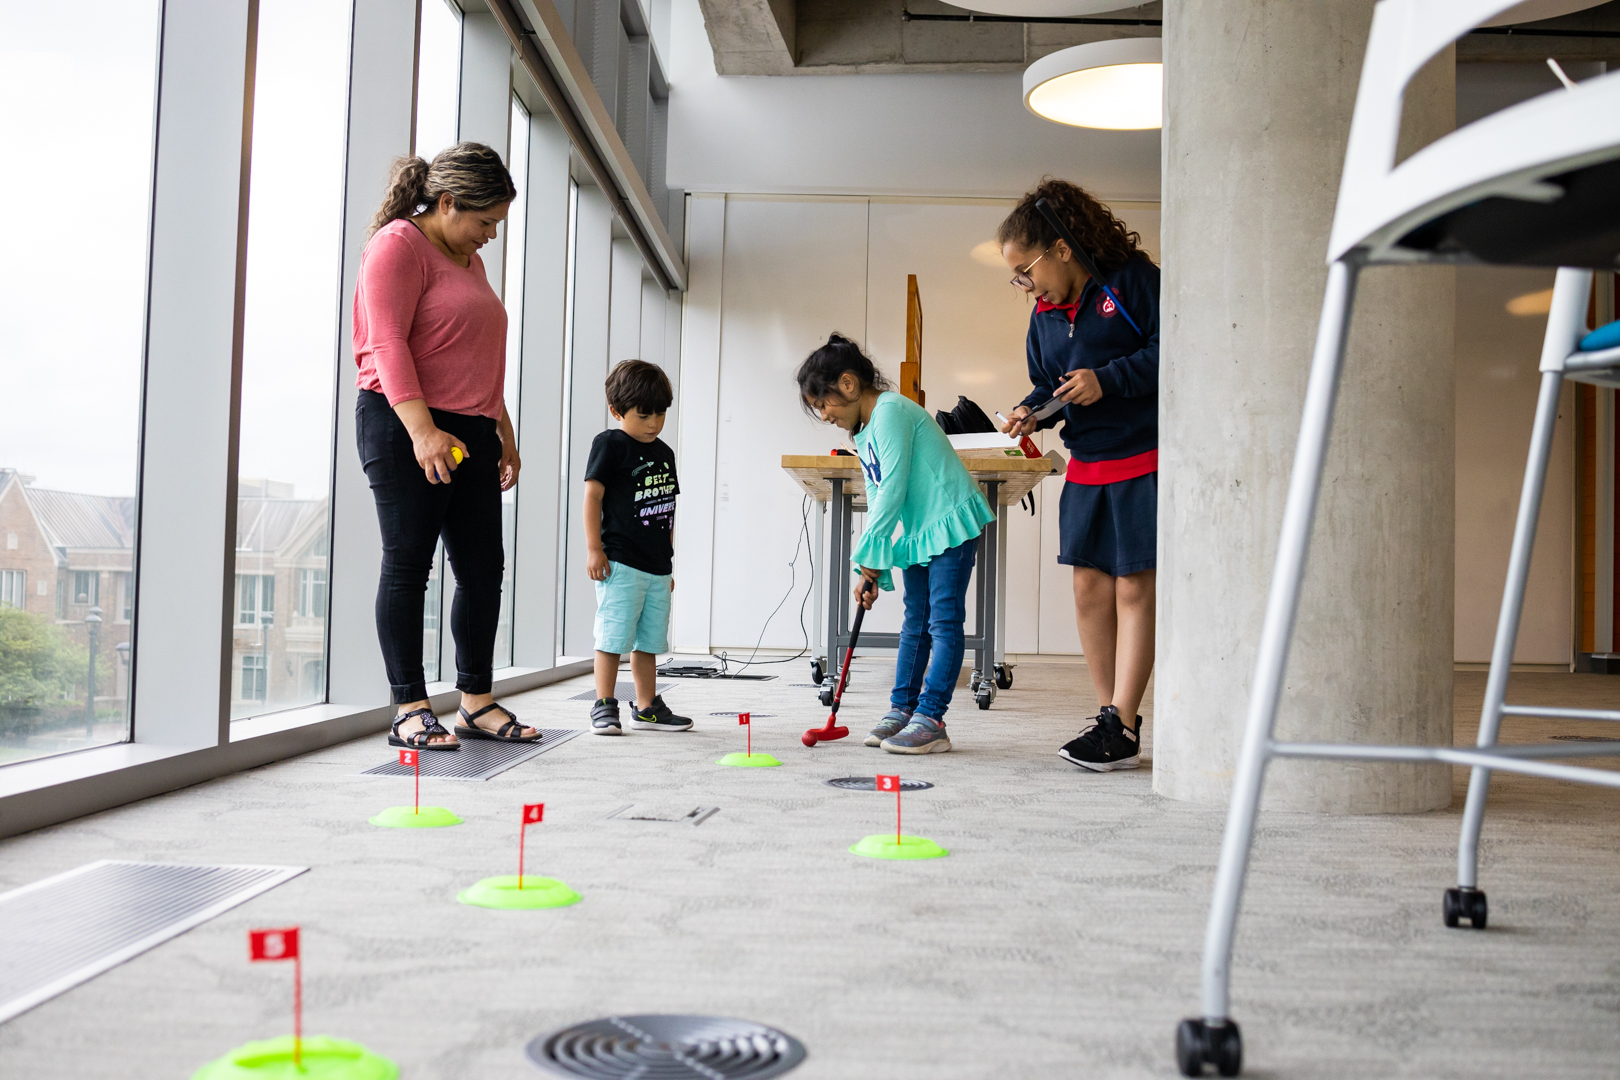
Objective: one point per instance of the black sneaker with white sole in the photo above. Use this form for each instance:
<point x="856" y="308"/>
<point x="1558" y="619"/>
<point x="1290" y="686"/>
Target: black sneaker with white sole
<point x="1106" y="745"/>
<point x="658" y="717"/>
<point x="605" y="717"/>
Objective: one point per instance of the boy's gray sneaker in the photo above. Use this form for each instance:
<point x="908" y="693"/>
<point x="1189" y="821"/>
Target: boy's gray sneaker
<point x="605" y="717"/>
<point x="924" y="735"/>
<point x="658" y="717"/>
<point x="889" y="726"/>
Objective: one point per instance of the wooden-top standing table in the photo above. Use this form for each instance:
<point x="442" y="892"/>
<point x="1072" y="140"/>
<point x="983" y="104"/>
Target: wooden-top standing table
<point x="837" y="484"/>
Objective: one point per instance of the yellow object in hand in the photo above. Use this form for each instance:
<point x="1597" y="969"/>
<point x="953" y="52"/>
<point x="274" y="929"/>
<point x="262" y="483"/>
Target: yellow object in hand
<point x="455" y="452"/>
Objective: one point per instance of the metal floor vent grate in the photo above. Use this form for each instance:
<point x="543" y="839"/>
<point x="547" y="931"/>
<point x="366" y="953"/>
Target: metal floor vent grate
<point x="623" y="691"/>
<point x="738" y="712"/>
<point x="478" y="759"/>
<point x="697" y="815"/>
<point x="1581" y="738"/>
<point x="869" y="783"/>
<point x="68" y="929"/>
<point x="672" y="1047"/>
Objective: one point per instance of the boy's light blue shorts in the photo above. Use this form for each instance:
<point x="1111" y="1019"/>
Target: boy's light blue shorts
<point x="632" y="611"/>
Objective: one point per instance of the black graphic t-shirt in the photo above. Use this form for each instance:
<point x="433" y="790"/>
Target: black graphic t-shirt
<point x="638" y="505"/>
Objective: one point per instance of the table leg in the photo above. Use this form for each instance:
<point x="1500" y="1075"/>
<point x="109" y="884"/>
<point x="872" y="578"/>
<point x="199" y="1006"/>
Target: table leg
<point x="837" y="570"/>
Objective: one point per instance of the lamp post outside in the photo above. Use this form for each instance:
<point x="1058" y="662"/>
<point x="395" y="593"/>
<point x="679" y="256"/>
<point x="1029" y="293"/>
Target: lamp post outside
<point x="92" y="623"/>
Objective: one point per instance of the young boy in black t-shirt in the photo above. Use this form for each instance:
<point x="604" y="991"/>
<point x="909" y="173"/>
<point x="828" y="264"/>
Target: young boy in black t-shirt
<point x="630" y="491"/>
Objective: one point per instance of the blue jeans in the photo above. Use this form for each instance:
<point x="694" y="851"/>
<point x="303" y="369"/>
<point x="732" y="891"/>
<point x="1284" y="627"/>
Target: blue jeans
<point x="930" y="656"/>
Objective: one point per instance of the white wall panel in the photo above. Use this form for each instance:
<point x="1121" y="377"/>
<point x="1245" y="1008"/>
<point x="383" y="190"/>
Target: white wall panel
<point x="795" y="270"/>
<point x="624" y="310"/>
<point x="486" y="114"/>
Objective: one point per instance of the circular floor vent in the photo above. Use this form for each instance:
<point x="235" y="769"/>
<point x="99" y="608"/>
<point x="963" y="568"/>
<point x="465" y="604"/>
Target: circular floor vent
<point x="869" y="783"/>
<point x="735" y="712"/>
<point x="674" y="1047"/>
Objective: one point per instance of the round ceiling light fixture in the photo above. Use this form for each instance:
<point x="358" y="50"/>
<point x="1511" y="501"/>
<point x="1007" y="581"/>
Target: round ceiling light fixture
<point x="1117" y="85"/>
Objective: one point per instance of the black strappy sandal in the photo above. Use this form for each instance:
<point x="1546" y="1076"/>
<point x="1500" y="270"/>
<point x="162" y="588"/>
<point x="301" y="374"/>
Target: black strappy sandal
<point x="506" y="733"/>
<point x="418" y="740"/>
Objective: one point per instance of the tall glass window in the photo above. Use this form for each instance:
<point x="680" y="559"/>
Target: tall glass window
<point x="517" y="162"/>
<point x="438" y="77"/>
<point x="77" y="89"/>
<point x="294" y="258"/>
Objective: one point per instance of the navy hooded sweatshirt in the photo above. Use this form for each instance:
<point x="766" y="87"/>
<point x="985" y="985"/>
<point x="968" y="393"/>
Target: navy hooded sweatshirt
<point x="1124" y="422"/>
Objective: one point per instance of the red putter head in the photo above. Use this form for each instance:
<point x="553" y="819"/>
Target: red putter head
<point x="827" y="733"/>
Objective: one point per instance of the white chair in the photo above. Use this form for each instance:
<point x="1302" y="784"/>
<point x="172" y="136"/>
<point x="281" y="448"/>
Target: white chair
<point x="1537" y="184"/>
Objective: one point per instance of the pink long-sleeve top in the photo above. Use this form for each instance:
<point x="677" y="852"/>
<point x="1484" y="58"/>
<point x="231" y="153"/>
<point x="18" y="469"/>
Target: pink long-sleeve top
<point x="426" y="327"/>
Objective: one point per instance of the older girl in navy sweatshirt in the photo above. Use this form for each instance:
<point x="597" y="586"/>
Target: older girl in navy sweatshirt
<point x="1104" y="364"/>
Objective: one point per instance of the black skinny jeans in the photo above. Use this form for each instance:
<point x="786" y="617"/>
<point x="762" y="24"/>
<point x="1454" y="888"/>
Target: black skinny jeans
<point x="413" y="514"/>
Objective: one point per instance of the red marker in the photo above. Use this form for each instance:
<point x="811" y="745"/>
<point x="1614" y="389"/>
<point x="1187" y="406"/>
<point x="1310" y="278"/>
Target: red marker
<point x="413" y="759"/>
<point x="283" y="945"/>
<point x="533" y="813"/>
<point x="892" y="783"/>
<point x="742" y="718"/>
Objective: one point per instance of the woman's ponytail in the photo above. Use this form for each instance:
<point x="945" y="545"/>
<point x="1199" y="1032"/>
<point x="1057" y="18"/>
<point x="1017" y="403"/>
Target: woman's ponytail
<point x="1106" y="238"/>
<point x="407" y="189"/>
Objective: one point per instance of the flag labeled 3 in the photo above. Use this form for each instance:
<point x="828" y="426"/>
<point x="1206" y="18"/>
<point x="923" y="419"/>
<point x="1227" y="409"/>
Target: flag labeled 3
<point x="407" y="758"/>
<point x="742" y="718"/>
<point x="273" y="944"/>
<point x="888" y="783"/>
<point x="533" y="812"/>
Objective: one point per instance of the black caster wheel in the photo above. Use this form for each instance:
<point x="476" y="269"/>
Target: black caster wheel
<point x="1198" y="1044"/>
<point x="826" y="698"/>
<point x="1003" y="677"/>
<point x="985" y="696"/>
<point x="817" y="672"/>
<point x="1459" y="904"/>
<point x="974" y="680"/>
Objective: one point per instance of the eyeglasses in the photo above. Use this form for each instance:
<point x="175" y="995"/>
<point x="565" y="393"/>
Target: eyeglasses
<point x="1023" y="280"/>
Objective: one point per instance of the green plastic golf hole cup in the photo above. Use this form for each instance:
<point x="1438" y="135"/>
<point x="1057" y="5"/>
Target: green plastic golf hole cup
<point x="748" y="761"/>
<point x="323" y="1058"/>
<point x="882" y="846"/>
<point x="502" y="892"/>
<point x="406" y="817"/>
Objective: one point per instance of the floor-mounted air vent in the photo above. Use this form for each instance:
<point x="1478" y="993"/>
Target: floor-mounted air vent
<point x="1584" y="738"/>
<point x="869" y="783"/>
<point x="625" y="692"/>
<point x="68" y="929"/>
<point x="668" y="1048"/>
<point x="674" y="815"/>
<point x="737" y="712"/>
<point x="478" y="759"/>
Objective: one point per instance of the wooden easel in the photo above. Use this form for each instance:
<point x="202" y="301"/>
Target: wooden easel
<point x="911" y="366"/>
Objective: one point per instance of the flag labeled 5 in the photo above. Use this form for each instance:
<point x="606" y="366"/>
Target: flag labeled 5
<point x="407" y="758"/>
<point x="888" y="783"/>
<point x="273" y="944"/>
<point x="533" y="812"/>
<point x="742" y="718"/>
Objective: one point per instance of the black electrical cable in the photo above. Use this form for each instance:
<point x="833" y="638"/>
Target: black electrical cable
<point x="802" y="542"/>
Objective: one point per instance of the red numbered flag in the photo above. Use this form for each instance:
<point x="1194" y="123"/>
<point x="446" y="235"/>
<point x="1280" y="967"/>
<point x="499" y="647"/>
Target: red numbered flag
<point x="533" y="812"/>
<point x="742" y="718"/>
<point x="273" y="944"/>
<point x="888" y="783"/>
<point x="407" y="758"/>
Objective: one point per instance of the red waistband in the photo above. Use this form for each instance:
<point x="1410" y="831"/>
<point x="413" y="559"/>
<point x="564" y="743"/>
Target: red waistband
<point x="1112" y="472"/>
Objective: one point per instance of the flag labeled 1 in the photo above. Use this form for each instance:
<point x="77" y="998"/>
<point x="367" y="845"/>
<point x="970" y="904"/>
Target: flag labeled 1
<point x="533" y="812"/>
<point x="273" y="944"/>
<point x="742" y="718"/>
<point x="888" y="783"/>
<point x="407" y="758"/>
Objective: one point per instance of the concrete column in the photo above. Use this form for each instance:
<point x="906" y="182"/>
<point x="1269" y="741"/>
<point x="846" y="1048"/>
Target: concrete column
<point x="1258" y="98"/>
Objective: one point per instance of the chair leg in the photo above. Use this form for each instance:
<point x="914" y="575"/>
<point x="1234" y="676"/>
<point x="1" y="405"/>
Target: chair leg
<point x="1218" y="1034"/>
<point x="1467" y="900"/>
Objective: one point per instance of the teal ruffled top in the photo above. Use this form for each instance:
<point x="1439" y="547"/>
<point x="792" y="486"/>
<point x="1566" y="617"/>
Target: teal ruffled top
<point x="915" y="482"/>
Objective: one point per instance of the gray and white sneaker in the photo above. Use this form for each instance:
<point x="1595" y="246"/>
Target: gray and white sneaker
<point x="889" y="726"/>
<point x="605" y="717"/>
<point x="659" y="717"/>
<point x="924" y="735"/>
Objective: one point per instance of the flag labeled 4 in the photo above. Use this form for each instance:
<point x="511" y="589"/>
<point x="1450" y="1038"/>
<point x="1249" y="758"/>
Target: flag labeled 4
<point x="888" y="783"/>
<point x="533" y="812"/>
<point x="273" y="944"/>
<point x="742" y="718"/>
<point x="407" y="758"/>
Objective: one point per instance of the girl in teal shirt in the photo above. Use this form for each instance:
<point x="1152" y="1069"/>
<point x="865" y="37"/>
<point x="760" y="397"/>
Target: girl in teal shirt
<point x="917" y="483"/>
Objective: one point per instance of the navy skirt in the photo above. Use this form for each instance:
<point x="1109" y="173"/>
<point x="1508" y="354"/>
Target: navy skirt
<point x="1110" y="527"/>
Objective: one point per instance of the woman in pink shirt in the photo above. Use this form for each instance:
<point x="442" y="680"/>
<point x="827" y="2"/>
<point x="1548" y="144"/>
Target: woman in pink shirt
<point x="434" y="436"/>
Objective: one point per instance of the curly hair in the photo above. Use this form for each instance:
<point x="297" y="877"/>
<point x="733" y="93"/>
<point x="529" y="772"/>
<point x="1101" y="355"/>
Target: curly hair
<point x="470" y="173"/>
<point x="1106" y="239"/>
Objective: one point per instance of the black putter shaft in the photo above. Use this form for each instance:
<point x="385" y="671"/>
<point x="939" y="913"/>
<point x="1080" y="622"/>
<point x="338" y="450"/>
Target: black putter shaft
<point x="1082" y="258"/>
<point x="849" y="654"/>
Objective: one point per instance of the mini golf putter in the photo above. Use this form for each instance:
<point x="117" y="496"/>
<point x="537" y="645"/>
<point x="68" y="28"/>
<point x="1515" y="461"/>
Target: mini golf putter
<point x="750" y="760"/>
<point x="831" y="730"/>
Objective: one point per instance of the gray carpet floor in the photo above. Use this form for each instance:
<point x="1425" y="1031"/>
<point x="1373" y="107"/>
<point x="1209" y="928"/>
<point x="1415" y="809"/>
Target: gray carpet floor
<point x="1061" y="937"/>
